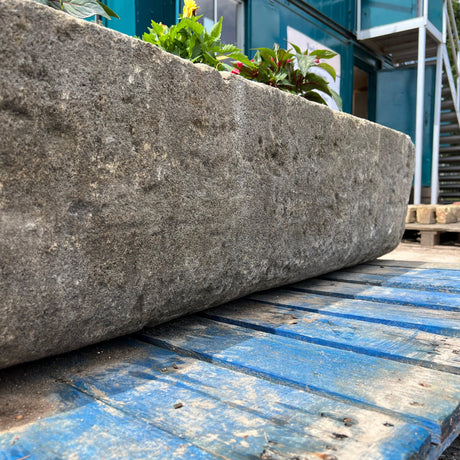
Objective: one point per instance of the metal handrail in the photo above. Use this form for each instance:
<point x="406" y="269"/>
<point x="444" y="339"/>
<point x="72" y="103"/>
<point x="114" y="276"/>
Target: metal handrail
<point x="452" y="34"/>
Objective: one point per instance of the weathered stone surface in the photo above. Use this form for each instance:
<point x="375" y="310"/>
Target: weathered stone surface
<point x="137" y="187"/>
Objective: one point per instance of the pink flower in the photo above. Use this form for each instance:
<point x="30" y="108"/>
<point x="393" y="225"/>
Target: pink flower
<point x="236" y="71"/>
<point x="271" y="57"/>
<point x="239" y="65"/>
<point x="252" y="60"/>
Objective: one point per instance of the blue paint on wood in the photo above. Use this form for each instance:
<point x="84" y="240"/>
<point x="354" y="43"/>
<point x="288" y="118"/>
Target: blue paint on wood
<point x="399" y="344"/>
<point x="414" y="265"/>
<point x="390" y="271"/>
<point x="240" y="416"/>
<point x="437" y="322"/>
<point x="285" y="374"/>
<point x="427" y="299"/>
<point x="427" y="282"/>
<point x="87" y="429"/>
<point x="350" y="377"/>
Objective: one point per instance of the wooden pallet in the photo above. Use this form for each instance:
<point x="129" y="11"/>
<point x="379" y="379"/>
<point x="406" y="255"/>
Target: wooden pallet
<point x="430" y="233"/>
<point x="361" y="363"/>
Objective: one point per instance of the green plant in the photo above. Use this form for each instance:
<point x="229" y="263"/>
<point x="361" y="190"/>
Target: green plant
<point x="190" y="40"/>
<point x="291" y="72"/>
<point x="81" y="8"/>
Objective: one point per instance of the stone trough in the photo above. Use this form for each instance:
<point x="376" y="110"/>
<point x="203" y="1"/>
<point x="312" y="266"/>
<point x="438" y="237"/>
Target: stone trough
<point x="136" y="187"/>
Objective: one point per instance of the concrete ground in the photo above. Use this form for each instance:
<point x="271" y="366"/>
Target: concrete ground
<point x="438" y="254"/>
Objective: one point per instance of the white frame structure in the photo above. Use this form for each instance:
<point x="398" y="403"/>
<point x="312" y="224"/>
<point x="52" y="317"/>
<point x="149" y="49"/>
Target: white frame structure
<point x="449" y="32"/>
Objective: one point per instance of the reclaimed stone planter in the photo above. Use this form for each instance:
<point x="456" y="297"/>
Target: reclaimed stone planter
<point x="137" y="187"/>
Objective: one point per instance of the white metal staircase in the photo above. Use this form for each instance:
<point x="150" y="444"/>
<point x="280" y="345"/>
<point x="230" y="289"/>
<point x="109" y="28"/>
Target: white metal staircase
<point x="417" y="42"/>
<point x="449" y="151"/>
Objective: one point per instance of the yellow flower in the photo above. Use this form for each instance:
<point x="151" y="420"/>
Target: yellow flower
<point x="190" y="8"/>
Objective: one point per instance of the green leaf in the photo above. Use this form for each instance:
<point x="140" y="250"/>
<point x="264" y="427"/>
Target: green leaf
<point x="196" y="52"/>
<point x="315" y="97"/>
<point x="337" y="99"/>
<point x="190" y="23"/>
<point x="157" y="28"/>
<point x="304" y="62"/>
<point x="216" y="30"/>
<point x="84" y="8"/>
<point x="318" y="82"/>
<point x="239" y="56"/>
<point x="229" y="49"/>
<point x="296" y="48"/>
<point x="266" y="53"/>
<point x="329" y="69"/>
<point x="109" y="11"/>
<point x="323" y="54"/>
<point x="227" y="67"/>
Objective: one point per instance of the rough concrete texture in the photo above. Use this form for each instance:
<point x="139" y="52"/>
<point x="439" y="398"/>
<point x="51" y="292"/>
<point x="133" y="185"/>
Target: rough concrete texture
<point x="137" y="187"/>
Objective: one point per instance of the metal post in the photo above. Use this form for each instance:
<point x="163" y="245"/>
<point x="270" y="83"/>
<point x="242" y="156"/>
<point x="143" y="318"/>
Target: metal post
<point x="457" y="83"/>
<point x="419" y="115"/>
<point x="436" y="126"/>
<point x="358" y="17"/>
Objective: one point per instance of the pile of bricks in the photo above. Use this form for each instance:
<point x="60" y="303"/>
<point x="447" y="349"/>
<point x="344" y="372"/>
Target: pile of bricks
<point x="433" y="214"/>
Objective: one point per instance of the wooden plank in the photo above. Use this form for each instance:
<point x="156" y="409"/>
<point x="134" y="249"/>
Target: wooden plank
<point x="427" y="282"/>
<point x="423" y="396"/>
<point x="454" y="227"/>
<point x="441" y="322"/>
<point x="414" y="264"/>
<point x="418" y="273"/>
<point x="87" y="428"/>
<point x="427" y="299"/>
<point x="236" y="415"/>
<point x="390" y="342"/>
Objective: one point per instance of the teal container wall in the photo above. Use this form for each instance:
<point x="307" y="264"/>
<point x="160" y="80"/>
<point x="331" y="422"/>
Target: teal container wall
<point x="136" y="15"/>
<point x="435" y="8"/>
<point x="127" y="12"/>
<point x="396" y="103"/>
<point x="340" y="11"/>
<point x="267" y="22"/>
<point x="378" y="13"/>
<point x="159" y="10"/>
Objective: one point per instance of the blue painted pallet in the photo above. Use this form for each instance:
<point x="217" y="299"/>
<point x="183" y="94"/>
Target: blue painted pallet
<point x="362" y="363"/>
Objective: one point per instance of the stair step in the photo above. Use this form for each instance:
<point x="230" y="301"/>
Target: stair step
<point x="450" y="187"/>
<point x="454" y="195"/>
<point x="450" y="128"/>
<point x="447" y="104"/>
<point x="452" y="178"/>
<point x="454" y="139"/>
<point x="445" y="91"/>
<point x="450" y="149"/>
<point x="448" y="116"/>
<point x="448" y="169"/>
